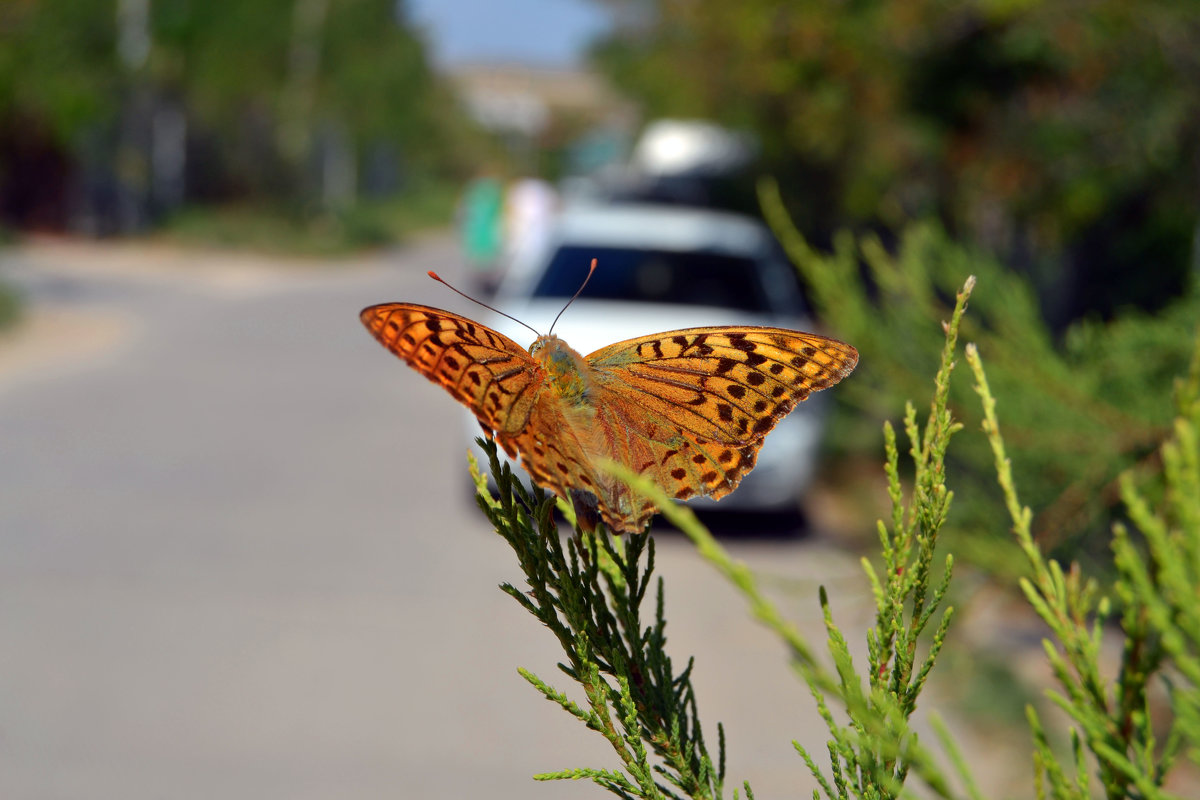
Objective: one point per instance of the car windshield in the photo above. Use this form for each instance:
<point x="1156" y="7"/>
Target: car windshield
<point x="656" y="276"/>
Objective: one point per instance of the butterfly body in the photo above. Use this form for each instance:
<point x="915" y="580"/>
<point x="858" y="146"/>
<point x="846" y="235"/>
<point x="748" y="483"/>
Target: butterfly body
<point x="567" y="371"/>
<point x="689" y="408"/>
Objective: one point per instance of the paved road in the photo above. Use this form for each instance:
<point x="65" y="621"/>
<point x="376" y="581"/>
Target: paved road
<point x="235" y="559"/>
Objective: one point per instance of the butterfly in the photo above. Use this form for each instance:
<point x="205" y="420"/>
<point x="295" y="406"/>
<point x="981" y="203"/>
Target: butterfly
<point x="688" y="408"/>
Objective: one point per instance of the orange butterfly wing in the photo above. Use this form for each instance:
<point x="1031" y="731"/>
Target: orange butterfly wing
<point x="497" y="380"/>
<point x="489" y="373"/>
<point x="691" y="408"/>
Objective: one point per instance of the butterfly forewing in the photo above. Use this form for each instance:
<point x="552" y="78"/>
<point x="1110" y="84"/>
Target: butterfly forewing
<point x="697" y="403"/>
<point x="723" y="384"/>
<point x="503" y="385"/>
<point x="488" y="372"/>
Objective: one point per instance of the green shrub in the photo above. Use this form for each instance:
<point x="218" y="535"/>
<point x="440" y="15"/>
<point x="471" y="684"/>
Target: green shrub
<point x="589" y="593"/>
<point x="10" y="306"/>
<point x="294" y="231"/>
<point x="1079" y="412"/>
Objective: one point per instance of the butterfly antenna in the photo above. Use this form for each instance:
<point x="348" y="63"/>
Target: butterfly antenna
<point x="439" y="279"/>
<point x="577" y="291"/>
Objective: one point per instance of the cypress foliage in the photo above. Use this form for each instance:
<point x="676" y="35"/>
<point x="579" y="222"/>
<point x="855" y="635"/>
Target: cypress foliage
<point x="590" y="589"/>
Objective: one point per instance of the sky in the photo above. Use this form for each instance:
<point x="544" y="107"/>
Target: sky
<point x="545" y="33"/>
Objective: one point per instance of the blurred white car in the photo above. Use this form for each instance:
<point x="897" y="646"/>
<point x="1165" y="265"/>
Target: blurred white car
<point x="661" y="268"/>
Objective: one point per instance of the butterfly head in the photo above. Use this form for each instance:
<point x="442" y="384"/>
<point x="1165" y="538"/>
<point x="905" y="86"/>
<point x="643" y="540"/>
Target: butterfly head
<point x="565" y="369"/>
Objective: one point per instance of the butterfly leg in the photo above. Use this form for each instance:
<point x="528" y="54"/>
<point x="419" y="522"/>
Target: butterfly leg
<point x="587" y="513"/>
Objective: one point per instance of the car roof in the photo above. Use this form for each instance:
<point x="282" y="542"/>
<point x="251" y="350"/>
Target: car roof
<point x="639" y="226"/>
<point x="660" y="227"/>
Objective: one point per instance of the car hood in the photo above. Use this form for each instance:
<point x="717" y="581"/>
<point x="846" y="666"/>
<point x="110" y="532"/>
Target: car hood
<point x="590" y="325"/>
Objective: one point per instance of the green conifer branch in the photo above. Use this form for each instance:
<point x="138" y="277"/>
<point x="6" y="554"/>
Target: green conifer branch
<point x="588" y="590"/>
<point x="957" y="760"/>
<point x="1156" y="593"/>
<point x="873" y="754"/>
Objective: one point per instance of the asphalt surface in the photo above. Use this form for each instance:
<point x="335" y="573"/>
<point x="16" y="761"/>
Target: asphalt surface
<point x="237" y="559"/>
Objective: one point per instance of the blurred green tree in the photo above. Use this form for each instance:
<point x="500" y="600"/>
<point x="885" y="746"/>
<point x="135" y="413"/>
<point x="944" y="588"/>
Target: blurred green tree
<point x="272" y="99"/>
<point x="276" y="74"/>
<point x="1064" y="137"/>
<point x="58" y="69"/>
<point x="58" y="62"/>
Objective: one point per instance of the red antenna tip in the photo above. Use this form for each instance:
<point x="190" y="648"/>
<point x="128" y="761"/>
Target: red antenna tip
<point x="586" y="278"/>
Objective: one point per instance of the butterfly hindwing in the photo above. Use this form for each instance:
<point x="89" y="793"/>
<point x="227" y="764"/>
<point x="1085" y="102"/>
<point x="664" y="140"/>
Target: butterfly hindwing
<point x="555" y="457"/>
<point x="655" y="446"/>
<point x="487" y="372"/>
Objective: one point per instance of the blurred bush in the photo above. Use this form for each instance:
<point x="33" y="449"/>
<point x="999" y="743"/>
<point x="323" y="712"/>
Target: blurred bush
<point x="10" y="305"/>
<point x="1062" y="137"/>
<point x="278" y="228"/>
<point x="1077" y="413"/>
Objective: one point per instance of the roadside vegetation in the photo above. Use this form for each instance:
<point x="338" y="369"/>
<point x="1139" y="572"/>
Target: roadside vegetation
<point x="1083" y="406"/>
<point x="1061" y="140"/>
<point x="10" y="306"/>
<point x="286" y="231"/>
<point x="1099" y="730"/>
<point x="297" y="126"/>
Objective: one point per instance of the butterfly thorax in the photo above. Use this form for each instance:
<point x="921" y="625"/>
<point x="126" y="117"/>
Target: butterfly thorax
<point x="566" y="370"/>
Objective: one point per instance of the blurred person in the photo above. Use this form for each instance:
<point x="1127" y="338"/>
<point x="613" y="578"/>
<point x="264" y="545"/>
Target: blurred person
<point x="530" y="209"/>
<point x="481" y="233"/>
